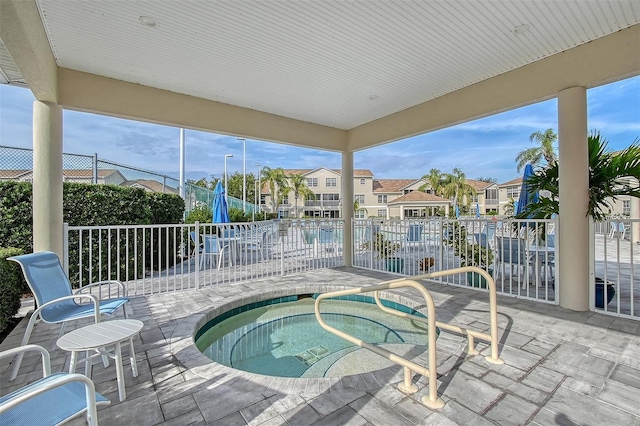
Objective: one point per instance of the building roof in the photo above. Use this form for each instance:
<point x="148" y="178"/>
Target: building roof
<point x="68" y="173"/>
<point x="391" y="185"/>
<point x="512" y="182"/>
<point x="479" y="185"/>
<point x="356" y="172"/>
<point x="151" y="185"/>
<point x="419" y="197"/>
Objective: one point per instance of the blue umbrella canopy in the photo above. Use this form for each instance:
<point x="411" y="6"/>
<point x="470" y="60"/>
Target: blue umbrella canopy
<point x="477" y="210"/>
<point x="220" y="211"/>
<point x="457" y="211"/>
<point x="527" y="195"/>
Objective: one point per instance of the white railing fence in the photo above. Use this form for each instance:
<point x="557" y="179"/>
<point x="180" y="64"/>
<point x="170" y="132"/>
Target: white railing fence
<point x="615" y="260"/>
<point x="520" y="254"/>
<point x="163" y="258"/>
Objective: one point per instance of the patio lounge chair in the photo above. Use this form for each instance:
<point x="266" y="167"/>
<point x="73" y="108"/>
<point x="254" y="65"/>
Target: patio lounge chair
<point x="51" y="400"/>
<point x="55" y="301"/>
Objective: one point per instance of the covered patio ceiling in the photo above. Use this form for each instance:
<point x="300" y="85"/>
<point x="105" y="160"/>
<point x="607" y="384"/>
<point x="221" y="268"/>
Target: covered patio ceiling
<point x="332" y="75"/>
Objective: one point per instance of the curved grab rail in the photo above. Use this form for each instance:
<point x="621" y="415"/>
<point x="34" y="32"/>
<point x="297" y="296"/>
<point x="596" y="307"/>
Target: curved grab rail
<point x="432" y="401"/>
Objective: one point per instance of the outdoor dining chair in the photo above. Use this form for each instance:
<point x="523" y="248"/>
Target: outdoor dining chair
<point x="54" y="399"/>
<point x="512" y="251"/>
<point x="55" y="301"/>
<point x="211" y="249"/>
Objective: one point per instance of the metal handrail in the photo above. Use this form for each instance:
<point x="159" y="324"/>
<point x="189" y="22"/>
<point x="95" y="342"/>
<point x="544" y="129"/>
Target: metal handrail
<point x="432" y="401"/>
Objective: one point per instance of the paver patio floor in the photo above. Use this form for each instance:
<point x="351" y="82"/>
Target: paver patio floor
<point x="561" y="367"/>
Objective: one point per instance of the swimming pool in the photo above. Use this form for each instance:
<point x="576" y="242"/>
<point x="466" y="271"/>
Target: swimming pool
<point x="281" y="337"/>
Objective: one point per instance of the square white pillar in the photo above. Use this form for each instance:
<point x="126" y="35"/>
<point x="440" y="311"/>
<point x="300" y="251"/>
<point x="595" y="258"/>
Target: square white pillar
<point x="573" y="232"/>
<point x="347" y="205"/>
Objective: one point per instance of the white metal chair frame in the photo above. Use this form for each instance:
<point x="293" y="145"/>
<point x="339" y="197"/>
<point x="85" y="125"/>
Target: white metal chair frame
<point x="12" y="406"/>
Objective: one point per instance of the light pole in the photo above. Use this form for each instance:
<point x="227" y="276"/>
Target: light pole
<point x="259" y="188"/>
<point x="244" y="175"/>
<point x="226" y="193"/>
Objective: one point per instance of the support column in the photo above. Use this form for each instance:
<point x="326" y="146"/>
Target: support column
<point x="347" y="205"/>
<point x="47" y="177"/>
<point x="573" y="232"/>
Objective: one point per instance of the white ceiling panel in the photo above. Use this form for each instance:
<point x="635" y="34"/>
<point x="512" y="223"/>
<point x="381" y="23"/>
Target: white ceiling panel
<point x="334" y="63"/>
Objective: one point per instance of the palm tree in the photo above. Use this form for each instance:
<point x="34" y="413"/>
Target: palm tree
<point x="298" y="184"/>
<point x="276" y="180"/>
<point x="607" y="180"/>
<point x="545" y="151"/>
<point x="433" y="180"/>
<point x="456" y="186"/>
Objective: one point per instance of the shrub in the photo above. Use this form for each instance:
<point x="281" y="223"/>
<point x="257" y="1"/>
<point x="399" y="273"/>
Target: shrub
<point x="12" y="285"/>
<point x="202" y="214"/>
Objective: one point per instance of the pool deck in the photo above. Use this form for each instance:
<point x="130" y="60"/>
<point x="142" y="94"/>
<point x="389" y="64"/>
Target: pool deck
<point x="561" y="367"/>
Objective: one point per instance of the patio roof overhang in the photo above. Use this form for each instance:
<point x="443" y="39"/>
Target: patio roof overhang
<point x="323" y="75"/>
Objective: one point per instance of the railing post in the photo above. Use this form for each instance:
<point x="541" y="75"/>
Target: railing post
<point x="592" y="263"/>
<point x="65" y="248"/>
<point x="197" y="250"/>
<point x="94" y="168"/>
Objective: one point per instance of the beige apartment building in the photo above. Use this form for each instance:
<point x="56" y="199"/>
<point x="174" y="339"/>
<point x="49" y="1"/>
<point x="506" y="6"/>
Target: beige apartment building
<point x="400" y="198"/>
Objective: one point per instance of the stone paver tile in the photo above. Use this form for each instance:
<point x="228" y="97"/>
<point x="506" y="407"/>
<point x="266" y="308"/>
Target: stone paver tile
<point x="581" y="387"/>
<point x="437" y="419"/>
<point x="462" y="415"/>
<point x="528" y="393"/>
<point x="543" y="379"/>
<point x="377" y="413"/>
<point x="583" y="410"/>
<point x="546" y="417"/>
<point x="387" y="394"/>
<point x="192" y="418"/>
<point x="132" y="411"/>
<point x="345" y="416"/>
<point x="260" y="412"/>
<point x="301" y="415"/>
<point x="234" y="419"/>
<point x="575" y="372"/>
<point x="412" y="410"/>
<point x="328" y="403"/>
<point x="179" y="406"/>
<point x="519" y="358"/>
<point x="471" y="392"/>
<point x="540" y="347"/>
<point x="622" y="396"/>
<point x="511" y="410"/>
<point x="227" y="401"/>
<point x="275" y="421"/>
<point x="573" y="355"/>
<point x="627" y="375"/>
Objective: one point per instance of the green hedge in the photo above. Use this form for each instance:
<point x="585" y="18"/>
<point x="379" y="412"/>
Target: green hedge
<point x="12" y="285"/>
<point x="96" y="205"/>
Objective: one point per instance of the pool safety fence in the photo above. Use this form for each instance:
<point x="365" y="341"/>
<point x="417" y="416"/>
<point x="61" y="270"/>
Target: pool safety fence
<point x="152" y="259"/>
<point x="519" y="254"/>
<point x="431" y="400"/>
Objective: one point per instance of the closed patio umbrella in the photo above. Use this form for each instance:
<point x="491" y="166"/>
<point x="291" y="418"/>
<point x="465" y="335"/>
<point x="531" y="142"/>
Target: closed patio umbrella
<point x="220" y="211"/>
<point x="527" y="195"/>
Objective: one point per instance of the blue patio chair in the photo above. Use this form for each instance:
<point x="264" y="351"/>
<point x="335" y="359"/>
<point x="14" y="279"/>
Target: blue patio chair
<point x="51" y="400"/>
<point x="513" y="251"/>
<point x="55" y="301"/>
<point x="327" y="237"/>
<point x="212" y="248"/>
<point x="414" y="235"/>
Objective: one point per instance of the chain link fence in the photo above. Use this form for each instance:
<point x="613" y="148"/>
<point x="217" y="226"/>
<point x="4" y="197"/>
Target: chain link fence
<point x="16" y="164"/>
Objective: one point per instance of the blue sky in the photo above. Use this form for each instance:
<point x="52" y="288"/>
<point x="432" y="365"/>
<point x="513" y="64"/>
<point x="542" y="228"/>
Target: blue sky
<point x="485" y="147"/>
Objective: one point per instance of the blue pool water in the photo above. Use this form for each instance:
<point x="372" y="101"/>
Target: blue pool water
<point x="285" y="339"/>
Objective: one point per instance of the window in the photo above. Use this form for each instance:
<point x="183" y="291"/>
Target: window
<point x="361" y="214"/>
<point x="626" y="208"/>
<point x="406" y="191"/>
<point x="513" y="192"/>
<point x="263" y="199"/>
<point x="382" y="213"/>
<point x="360" y="199"/>
<point x="491" y="196"/>
<point x="382" y="199"/>
<point x="362" y="181"/>
<point x="285" y="200"/>
<point x="311" y="182"/>
<point x="474" y="198"/>
<point x="332" y="182"/>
